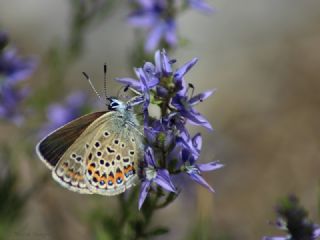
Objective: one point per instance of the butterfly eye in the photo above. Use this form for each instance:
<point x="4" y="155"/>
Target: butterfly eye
<point x="113" y="105"/>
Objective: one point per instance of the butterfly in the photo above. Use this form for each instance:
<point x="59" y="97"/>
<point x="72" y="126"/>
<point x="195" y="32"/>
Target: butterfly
<point x="97" y="153"/>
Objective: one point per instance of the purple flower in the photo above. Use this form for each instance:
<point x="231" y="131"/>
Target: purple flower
<point x="13" y="69"/>
<point x="185" y="108"/>
<point x="159" y="133"/>
<point x="148" y="75"/>
<point x="59" y="114"/>
<point x="167" y="137"/>
<point x="190" y="154"/>
<point x="153" y="174"/>
<point x="157" y="17"/>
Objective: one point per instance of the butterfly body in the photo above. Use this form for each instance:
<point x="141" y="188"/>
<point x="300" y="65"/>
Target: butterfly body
<point x="96" y="153"/>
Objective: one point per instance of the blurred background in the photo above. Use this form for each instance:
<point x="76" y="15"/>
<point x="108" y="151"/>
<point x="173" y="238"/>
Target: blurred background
<point x="262" y="56"/>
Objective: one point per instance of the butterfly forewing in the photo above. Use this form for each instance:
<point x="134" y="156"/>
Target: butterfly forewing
<point x="52" y="147"/>
<point x="113" y="156"/>
<point x="70" y="169"/>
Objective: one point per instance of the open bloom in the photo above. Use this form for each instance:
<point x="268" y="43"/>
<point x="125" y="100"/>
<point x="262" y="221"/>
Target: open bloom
<point x="191" y="167"/>
<point x="153" y="174"/>
<point x="185" y="108"/>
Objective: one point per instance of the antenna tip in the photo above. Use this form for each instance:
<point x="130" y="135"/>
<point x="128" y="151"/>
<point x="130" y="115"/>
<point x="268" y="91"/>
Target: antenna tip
<point x="190" y="85"/>
<point x="105" y="67"/>
<point x="86" y="75"/>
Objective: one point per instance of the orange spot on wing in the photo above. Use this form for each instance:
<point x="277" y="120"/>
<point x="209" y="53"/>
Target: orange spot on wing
<point x="127" y="169"/>
<point x="111" y="178"/>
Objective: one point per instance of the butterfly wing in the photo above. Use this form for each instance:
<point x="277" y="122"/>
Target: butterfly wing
<point x="52" y="147"/>
<point x="70" y="169"/>
<point x="113" y="157"/>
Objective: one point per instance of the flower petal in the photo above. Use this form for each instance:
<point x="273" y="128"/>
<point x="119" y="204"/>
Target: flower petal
<point x="197" y="119"/>
<point x="162" y="63"/>
<point x="316" y="232"/>
<point x="149" y="156"/>
<point x="154" y="36"/>
<point x="201" y="97"/>
<point x="205" y="167"/>
<point x="184" y="69"/>
<point x="163" y="179"/>
<point x="143" y="192"/>
<point x="196" y="177"/>
<point x="171" y="33"/>
<point x="142" y="20"/>
<point x="188" y="146"/>
<point x="133" y="83"/>
<point x="197" y="141"/>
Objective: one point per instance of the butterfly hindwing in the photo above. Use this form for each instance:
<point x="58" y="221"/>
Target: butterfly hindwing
<point x="113" y="156"/>
<point x="52" y="147"/>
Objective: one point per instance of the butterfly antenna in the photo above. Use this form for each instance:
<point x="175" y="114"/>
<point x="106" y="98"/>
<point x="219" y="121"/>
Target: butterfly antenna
<point x="89" y="80"/>
<point x="105" y="81"/>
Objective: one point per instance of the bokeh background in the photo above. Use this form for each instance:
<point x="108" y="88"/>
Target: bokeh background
<point x="264" y="59"/>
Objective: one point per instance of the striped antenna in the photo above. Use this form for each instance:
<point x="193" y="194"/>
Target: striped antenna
<point x="89" y="80"/>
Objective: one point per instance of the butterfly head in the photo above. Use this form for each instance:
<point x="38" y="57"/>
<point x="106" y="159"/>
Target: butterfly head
<point x="117" y="105"/>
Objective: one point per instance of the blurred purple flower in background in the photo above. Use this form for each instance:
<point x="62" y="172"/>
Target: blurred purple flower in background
<point x="316" y="235"/>
<point x="13" y="70"/>
<point x="59" y="114"/>
<point x="158" y="18"/>
<point x="292" y="218"/>
<point x="169" y="148"/>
